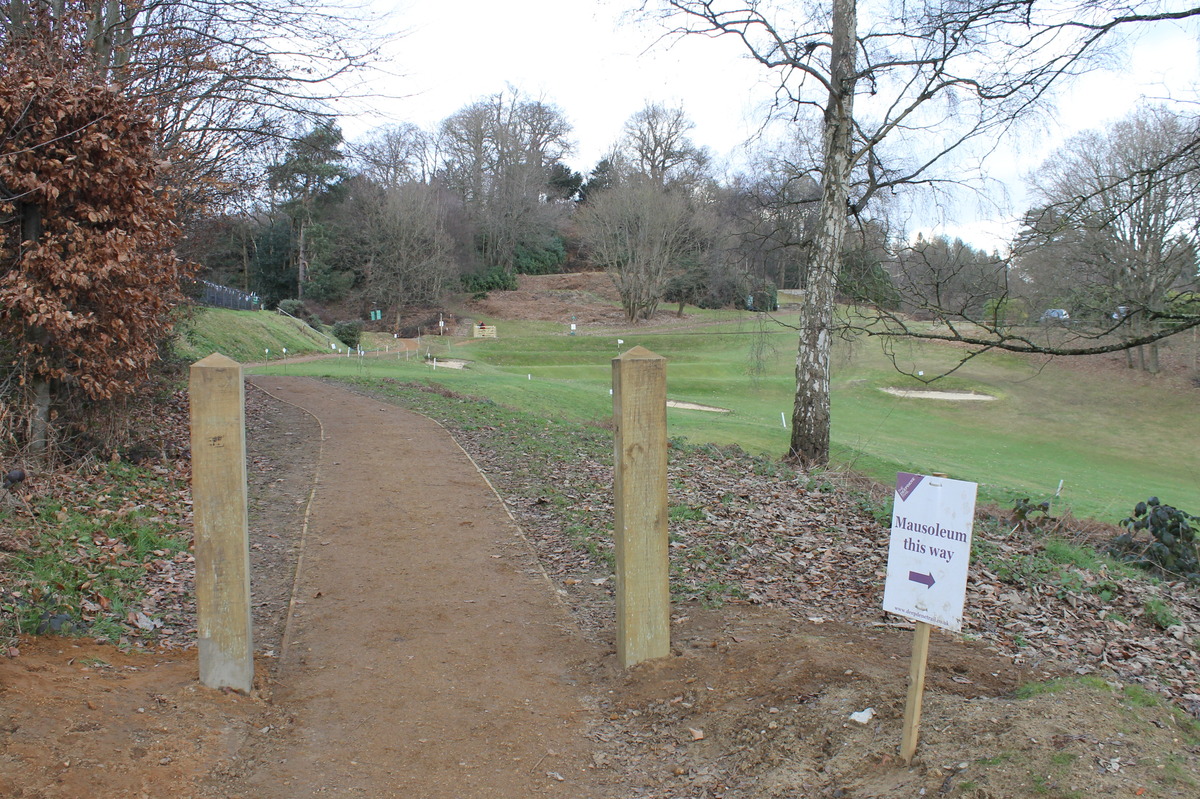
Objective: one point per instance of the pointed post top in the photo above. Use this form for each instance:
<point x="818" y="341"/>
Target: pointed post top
<point x="638" y="353"/>
<point x="217" y="360"/>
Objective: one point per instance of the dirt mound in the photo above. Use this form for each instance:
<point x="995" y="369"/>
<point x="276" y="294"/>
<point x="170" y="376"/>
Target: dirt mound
<point x="580" y="297"/>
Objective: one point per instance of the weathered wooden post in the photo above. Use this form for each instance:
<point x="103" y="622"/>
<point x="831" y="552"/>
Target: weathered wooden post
<point x="643" y="593"/>
<point x="911" y="732"/>
<point x="218" y="420"/>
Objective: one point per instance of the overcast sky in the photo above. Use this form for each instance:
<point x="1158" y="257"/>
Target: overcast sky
<point x="599" y="67"/>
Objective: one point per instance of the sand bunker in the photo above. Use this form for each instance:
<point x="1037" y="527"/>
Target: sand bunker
<point x="691" y="406"/>
<point x="938" y="395"/>
<point x="447" y="363"/>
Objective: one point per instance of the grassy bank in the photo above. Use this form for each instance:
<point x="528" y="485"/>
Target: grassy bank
<point x="245" y="336"/>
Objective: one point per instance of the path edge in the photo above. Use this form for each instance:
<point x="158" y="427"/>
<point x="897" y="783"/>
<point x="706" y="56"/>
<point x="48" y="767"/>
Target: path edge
<point x="286" y="637"/>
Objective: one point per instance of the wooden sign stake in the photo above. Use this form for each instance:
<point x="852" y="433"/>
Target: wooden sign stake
<point x="916" y="692"/>
<point x="916" y="685"/>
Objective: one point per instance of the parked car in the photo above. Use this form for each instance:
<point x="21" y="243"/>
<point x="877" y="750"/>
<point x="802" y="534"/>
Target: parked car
<point x="1055" y="316"/>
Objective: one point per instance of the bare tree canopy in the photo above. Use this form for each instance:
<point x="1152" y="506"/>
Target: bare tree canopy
<point x="499" y="155"/>
<point x="923" y="80"/>
<point x="1106" y="262"/>
<point x="403" y="239"/>
<point x="224" y="77"/>
<point x="641" y="233"/>
<point x="395" y="155"/>
<point x="656" y="144"/>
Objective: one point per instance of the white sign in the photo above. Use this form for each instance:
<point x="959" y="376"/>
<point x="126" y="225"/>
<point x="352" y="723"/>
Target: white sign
<point x="932" y="519"/>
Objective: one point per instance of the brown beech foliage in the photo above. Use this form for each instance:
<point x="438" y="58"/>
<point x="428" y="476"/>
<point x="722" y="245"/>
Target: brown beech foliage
<point x="87" y="274"/>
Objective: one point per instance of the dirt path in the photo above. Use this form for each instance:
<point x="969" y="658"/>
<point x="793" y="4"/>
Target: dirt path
<point x="426" y="654"/>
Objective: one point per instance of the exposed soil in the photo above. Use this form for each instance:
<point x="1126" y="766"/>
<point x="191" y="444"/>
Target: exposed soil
<point x="410" y="644"/>
<point x="582" y="297"/>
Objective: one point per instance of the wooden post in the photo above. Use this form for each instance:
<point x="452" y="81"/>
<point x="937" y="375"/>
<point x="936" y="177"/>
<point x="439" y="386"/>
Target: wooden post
<point x="640" y="450"/>
<point x="916" y="692"/>
<point x="916" y="685"/>
<point x="218" y="421"/>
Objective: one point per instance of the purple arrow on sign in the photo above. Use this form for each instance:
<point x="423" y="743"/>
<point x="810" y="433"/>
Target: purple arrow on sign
<point x="924" y="579"/>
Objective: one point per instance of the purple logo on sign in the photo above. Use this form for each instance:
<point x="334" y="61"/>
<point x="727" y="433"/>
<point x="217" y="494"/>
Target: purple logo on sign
<point x="907" y="483"/>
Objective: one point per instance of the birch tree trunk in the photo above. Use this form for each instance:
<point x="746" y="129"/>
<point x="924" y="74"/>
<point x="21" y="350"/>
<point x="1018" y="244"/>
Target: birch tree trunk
<point x="810" y="412"/>
<point x="302" y="261"/>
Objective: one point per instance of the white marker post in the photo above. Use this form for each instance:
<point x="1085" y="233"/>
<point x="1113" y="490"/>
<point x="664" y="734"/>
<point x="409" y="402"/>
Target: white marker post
<point x="930" y="548"/>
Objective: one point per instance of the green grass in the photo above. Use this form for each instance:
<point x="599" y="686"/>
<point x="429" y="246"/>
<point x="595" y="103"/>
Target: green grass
<point x="245" y="336"/>
<point x="1137" y="696"/>
<point x="1058" y="564"/>
<point x="81" y="573"/>
<point x="683" y="513"/>
<point x="1063" y="759"/>
<point x="1030" y="690"/>
<point x="1159" y="613"/>
<point x="1101" y="435"/>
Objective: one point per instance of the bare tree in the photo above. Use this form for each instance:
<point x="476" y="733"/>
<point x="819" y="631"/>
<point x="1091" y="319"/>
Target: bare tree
<point x="1113" y="243"/>
<point x="931" y="76"/>
<point x="1121" y="214"/>
<point x="396" y="155"/>
<point x="640" y="232"/>
<point x="776" y="214"/>
<point x="224" y="77"/>
<point x="656" y="144"/>
<point x="406" y="247"/>
<point x="941" y="278"/>
<point x="498" y="155"/>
